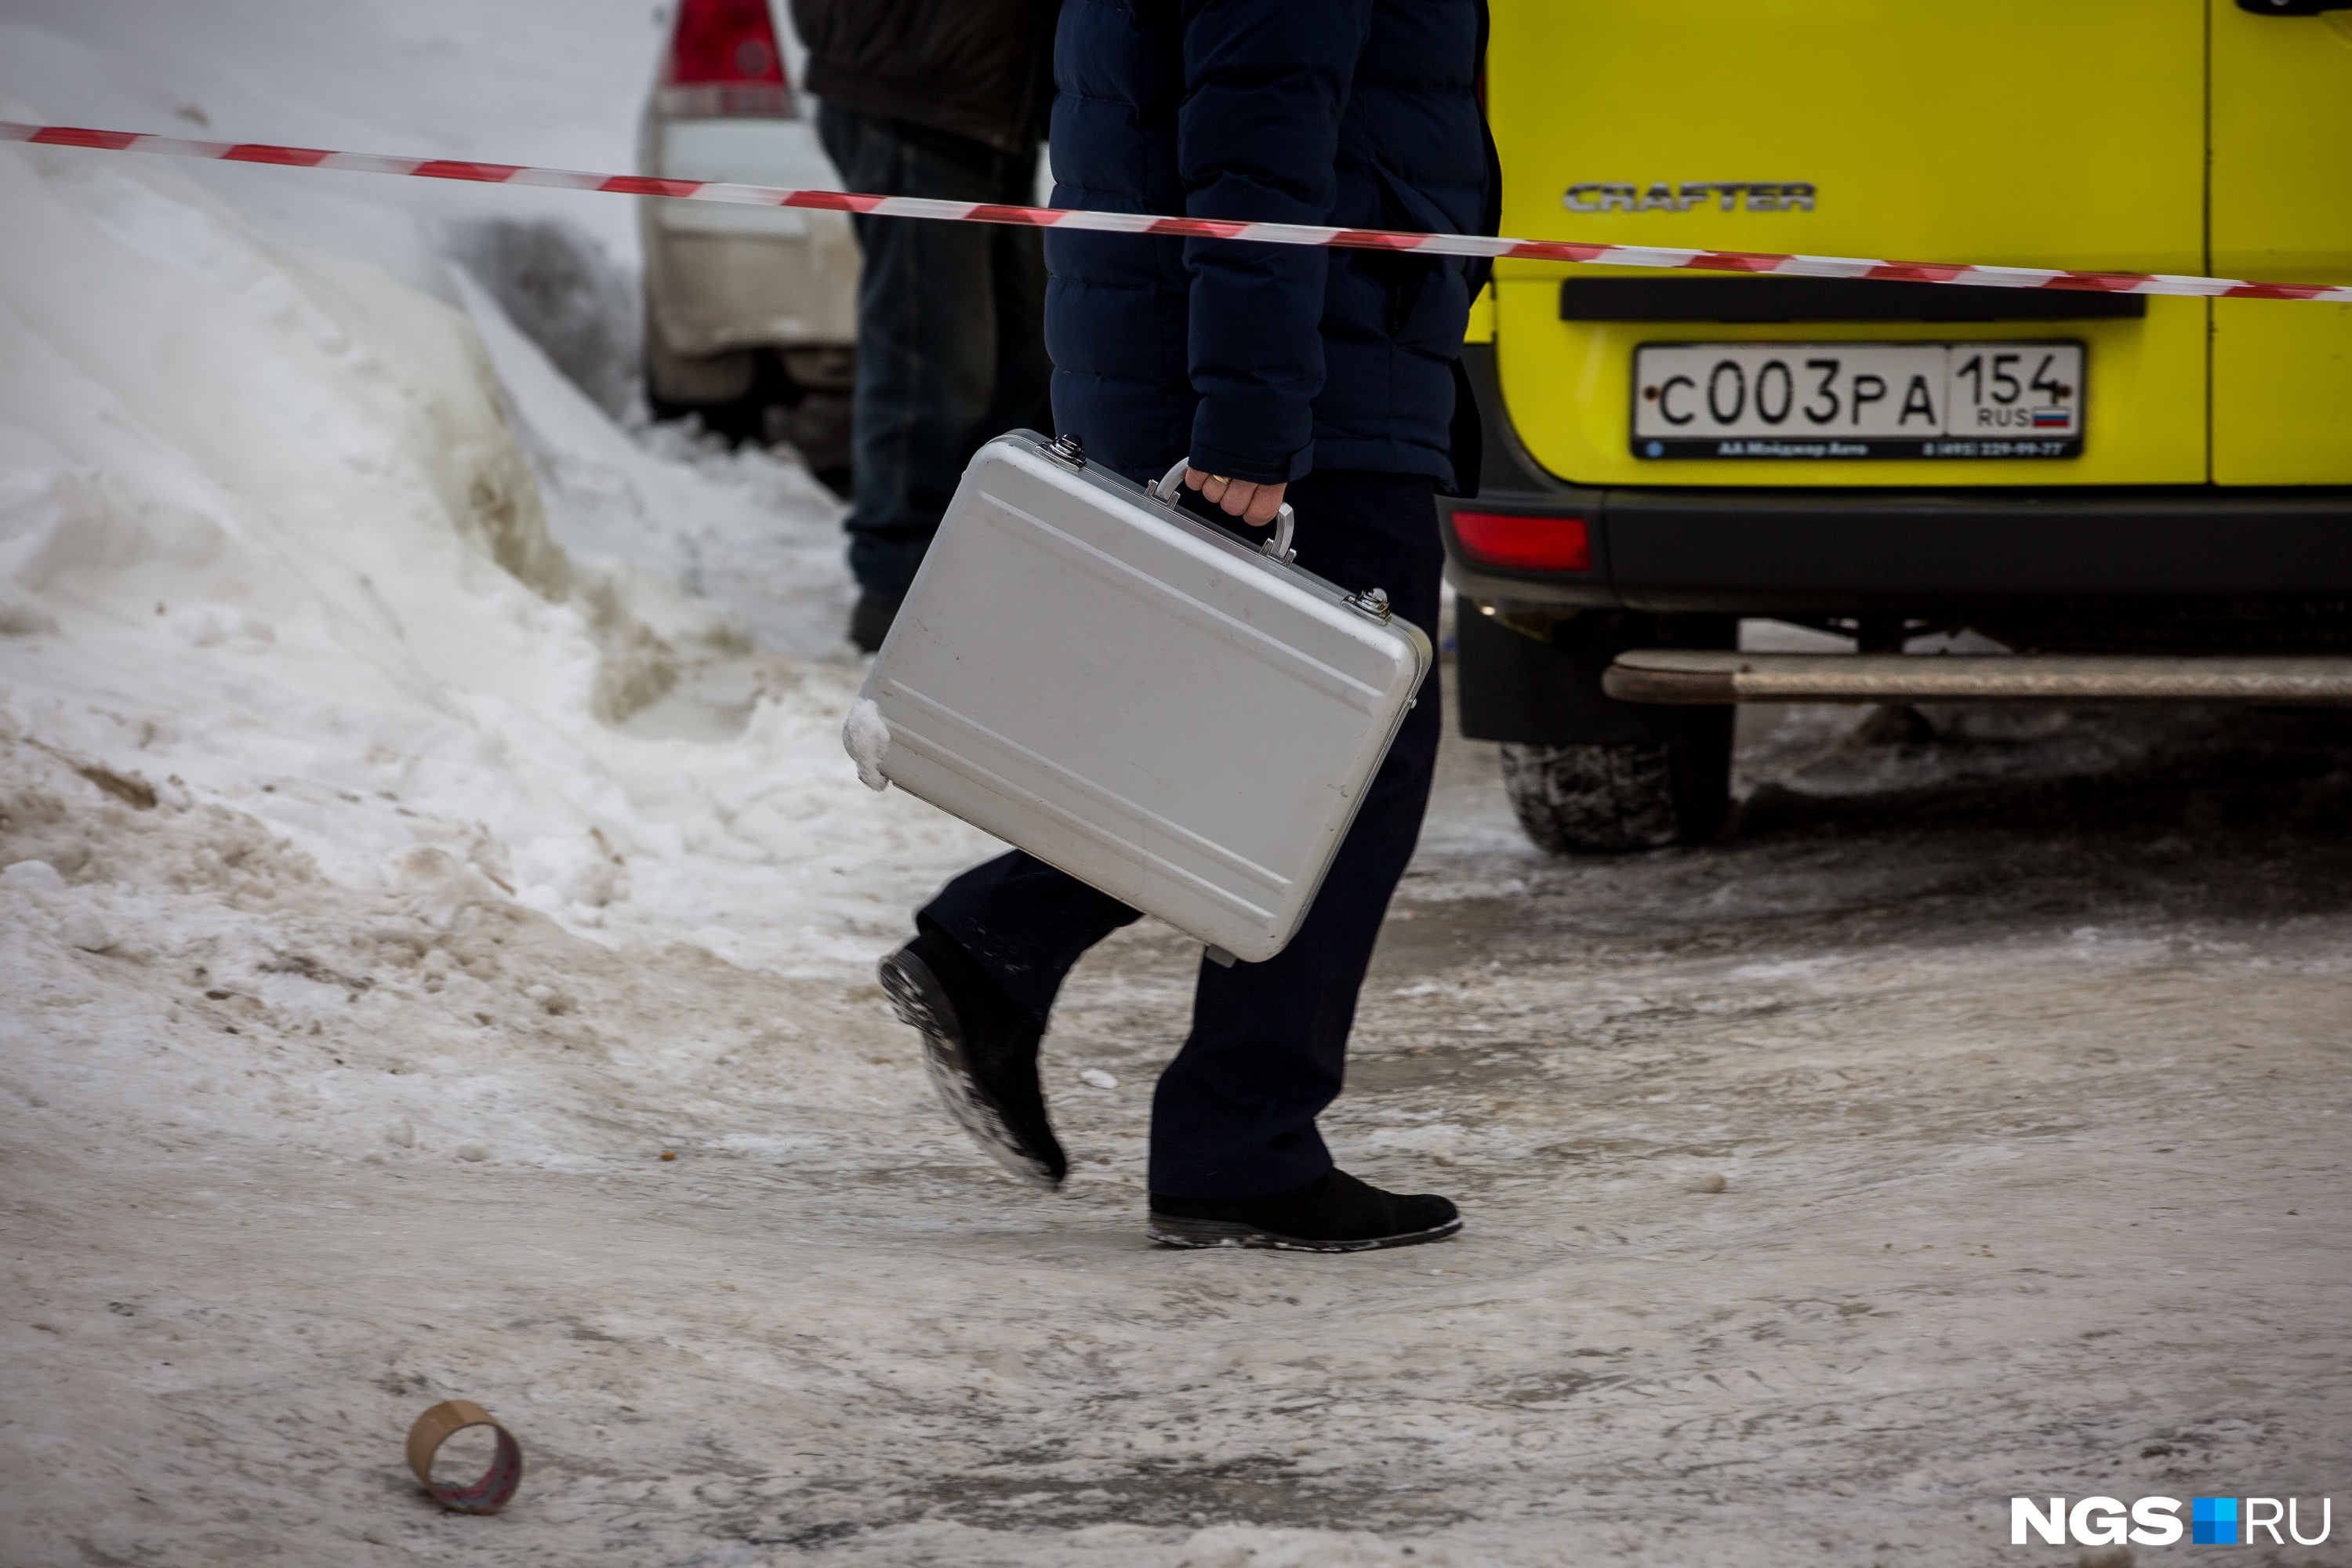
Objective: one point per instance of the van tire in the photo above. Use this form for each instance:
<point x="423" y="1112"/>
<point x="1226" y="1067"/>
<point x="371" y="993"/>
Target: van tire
<point x="1612" y="799"/>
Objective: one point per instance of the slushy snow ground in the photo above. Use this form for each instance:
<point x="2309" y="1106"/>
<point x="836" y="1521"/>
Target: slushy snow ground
<point x="423" y="807"/>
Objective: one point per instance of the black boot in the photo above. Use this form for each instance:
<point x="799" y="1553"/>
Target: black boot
<point x="869" y="621"/>
<point x="1333" y="1213"/>
<point x="981" y="1050"/>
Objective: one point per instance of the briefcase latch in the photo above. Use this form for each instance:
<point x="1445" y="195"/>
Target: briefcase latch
<point x="1067" y="450"/>
<point x="1372" y="603"/>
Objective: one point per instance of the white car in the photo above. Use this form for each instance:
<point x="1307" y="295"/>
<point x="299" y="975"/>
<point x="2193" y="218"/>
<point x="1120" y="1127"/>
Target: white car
<point x="750" y="313"/>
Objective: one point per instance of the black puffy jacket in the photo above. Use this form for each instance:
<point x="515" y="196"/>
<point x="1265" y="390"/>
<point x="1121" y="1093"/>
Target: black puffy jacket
<point x="976" y="68"/>
<point x="1265" y="361"/>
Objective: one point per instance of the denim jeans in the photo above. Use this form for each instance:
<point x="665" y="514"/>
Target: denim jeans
<point x="1234" y="1115"/>
<point x="950" y="331"/>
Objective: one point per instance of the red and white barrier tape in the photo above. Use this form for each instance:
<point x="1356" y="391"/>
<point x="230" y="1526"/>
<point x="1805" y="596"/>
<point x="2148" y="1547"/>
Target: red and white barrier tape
<point x="1205" y="228"/>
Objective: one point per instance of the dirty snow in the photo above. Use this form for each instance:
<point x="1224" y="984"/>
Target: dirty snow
<point x="423" y="807"/>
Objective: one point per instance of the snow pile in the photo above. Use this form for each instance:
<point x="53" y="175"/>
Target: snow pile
<point x="302" y="702"/>
<point x="753" y="535"/>
<point x="171" y="970"/>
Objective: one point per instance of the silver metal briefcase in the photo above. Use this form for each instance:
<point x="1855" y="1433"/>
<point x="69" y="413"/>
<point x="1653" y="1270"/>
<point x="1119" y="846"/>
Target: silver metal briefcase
<point x="1165" y="709"/>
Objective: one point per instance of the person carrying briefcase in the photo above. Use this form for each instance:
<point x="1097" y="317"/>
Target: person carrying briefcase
<point x="1324" y="377"/>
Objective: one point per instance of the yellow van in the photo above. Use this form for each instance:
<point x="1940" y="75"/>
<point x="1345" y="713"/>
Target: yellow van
<point x="2064" y="472"/>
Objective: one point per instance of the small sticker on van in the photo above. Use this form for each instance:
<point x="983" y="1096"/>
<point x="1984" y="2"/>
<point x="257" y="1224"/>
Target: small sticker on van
<point x="1683" y="196"/>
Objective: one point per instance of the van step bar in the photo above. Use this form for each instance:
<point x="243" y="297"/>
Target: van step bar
<point x="1687" y="676"/>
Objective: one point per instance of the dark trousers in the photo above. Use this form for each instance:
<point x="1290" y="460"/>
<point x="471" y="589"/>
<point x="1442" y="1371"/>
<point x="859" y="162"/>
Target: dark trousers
<point x="1234" y="1112"/>
<point x="950" y="331"/>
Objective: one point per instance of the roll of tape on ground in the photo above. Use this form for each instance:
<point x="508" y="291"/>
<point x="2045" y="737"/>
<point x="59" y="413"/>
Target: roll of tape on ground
<point x="498" y="1483"/>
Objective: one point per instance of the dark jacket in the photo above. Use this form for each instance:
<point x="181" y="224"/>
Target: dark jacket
<point x="975" y="68"/>
<point x="1264" y="361"/>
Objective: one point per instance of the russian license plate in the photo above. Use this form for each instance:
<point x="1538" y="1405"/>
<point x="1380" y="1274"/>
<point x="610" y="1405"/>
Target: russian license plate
<point x="1858" y="400"/>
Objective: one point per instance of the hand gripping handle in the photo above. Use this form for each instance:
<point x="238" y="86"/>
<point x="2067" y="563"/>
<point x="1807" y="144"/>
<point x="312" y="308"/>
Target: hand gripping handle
<point x="1170" y="490"/>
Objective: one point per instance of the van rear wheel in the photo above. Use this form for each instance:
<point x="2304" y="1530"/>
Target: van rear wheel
<point x="1585" y="773"/>
<point x="1607" y="799"/>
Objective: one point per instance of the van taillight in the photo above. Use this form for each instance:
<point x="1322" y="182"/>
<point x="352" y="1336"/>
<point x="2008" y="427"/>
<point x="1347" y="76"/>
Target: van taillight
<point x="724" y="61"/>
<point x="1533" y="543"/>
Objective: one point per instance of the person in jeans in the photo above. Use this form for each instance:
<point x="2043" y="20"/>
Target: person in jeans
<point x="948" y="99"/>
<point x="1326" y="377"/>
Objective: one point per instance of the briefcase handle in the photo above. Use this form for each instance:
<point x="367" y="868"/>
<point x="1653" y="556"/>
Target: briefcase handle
<point x="1170" y="490"/>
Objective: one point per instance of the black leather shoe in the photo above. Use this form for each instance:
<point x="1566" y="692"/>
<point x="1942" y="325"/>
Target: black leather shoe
<point x="981" y="1051"/>
<point x="1333" y="1213"/>
<point x="869" y="621"/>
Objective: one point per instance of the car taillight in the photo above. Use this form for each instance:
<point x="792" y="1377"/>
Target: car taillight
<point x="1536" y="543"/>
<point x="724" y="61"/>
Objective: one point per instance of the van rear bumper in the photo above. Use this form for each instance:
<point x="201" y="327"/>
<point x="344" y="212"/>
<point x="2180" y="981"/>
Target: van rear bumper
<point x="1844" y="552"/>
<point x="2109" y="553"/>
